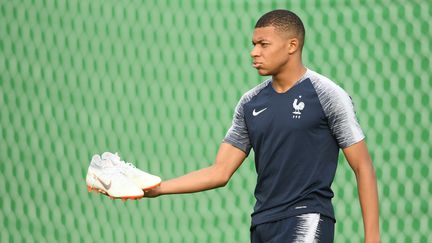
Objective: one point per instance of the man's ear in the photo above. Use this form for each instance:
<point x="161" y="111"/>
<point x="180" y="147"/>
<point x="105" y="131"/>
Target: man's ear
<point x="293" y="45"/>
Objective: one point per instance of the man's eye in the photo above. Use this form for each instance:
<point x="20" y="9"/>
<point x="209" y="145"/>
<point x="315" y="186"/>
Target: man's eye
<point x="264" y="44"/>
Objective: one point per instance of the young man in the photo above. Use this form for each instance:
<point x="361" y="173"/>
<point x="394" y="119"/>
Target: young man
<point x="295" y="122"/>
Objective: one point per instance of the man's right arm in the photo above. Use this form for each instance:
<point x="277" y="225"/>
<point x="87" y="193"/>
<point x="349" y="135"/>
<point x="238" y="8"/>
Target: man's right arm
<point x="228" y="160"/>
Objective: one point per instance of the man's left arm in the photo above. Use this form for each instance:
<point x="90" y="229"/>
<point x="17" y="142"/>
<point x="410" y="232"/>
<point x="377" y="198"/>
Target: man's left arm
<point x="360" y="161"/>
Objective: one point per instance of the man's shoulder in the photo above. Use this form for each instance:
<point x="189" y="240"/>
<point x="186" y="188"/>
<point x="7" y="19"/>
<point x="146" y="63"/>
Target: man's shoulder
<point x="323" y="83"/>
<point x="246" y="97"/>
<point x="328" y="90"/>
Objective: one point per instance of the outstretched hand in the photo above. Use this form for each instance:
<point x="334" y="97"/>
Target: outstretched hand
<point x="152" y="193"/>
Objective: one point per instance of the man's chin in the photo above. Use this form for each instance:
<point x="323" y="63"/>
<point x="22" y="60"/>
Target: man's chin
<point x="263" y="72"/>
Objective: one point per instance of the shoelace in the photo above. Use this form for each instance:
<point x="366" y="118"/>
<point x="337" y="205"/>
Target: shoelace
<point x="130" y="164"/>
<point x="122" y="162"/>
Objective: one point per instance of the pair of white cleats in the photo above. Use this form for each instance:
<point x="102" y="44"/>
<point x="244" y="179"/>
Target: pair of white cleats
<point x="116" y="178"/>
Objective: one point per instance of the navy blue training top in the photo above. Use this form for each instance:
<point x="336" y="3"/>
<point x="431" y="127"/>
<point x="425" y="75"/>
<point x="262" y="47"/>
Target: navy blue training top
<point x="296" y="138"/>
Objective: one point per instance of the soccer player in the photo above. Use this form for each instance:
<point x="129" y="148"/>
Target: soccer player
<point x="295" y="122"/>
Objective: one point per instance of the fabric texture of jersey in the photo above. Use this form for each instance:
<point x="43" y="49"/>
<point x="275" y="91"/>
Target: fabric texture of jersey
<point x="296" y="138"/>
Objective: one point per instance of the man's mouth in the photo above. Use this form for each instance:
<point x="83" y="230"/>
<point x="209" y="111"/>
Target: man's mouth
<point x="256" y="64"/>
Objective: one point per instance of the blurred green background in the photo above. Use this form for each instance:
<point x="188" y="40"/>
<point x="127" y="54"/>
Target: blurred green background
<point x="158" y="80"/>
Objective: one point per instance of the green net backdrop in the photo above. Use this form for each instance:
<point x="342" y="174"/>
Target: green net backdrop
<point x="158" y="81"/>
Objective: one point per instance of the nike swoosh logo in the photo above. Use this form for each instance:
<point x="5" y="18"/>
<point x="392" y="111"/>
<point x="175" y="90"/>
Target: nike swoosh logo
<point x="256" y="113"/>
<point x="106" y="186"/>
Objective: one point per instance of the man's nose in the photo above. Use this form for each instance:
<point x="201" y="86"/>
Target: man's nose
<point x="255" y="51"/>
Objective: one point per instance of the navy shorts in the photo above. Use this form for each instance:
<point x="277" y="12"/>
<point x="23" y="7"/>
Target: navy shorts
<point x="305" y="228"/>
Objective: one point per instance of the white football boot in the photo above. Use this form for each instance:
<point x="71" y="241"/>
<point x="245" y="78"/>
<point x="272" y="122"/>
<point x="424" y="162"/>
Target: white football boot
<point x="104" y="177"/>
<point x="142" y="179"/>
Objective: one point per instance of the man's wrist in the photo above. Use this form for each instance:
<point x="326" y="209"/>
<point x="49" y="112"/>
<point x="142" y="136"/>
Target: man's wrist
<point x="372" y="238"/>
<point x="155" y="192"/>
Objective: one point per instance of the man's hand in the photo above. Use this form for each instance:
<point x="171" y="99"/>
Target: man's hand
<point x="152" y="193"/>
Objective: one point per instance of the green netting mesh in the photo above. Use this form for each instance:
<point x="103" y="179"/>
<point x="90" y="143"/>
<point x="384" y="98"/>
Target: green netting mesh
<point x="158" y="82"/>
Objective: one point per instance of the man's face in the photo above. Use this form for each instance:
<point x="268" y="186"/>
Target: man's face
<point x="271" y="50"/>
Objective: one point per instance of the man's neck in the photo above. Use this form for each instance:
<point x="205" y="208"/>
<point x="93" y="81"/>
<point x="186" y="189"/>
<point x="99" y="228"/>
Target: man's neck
<point x="283" y="81"/>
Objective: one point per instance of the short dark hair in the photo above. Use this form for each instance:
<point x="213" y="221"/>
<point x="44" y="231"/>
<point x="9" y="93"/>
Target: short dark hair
<point x="284" y="21"/>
